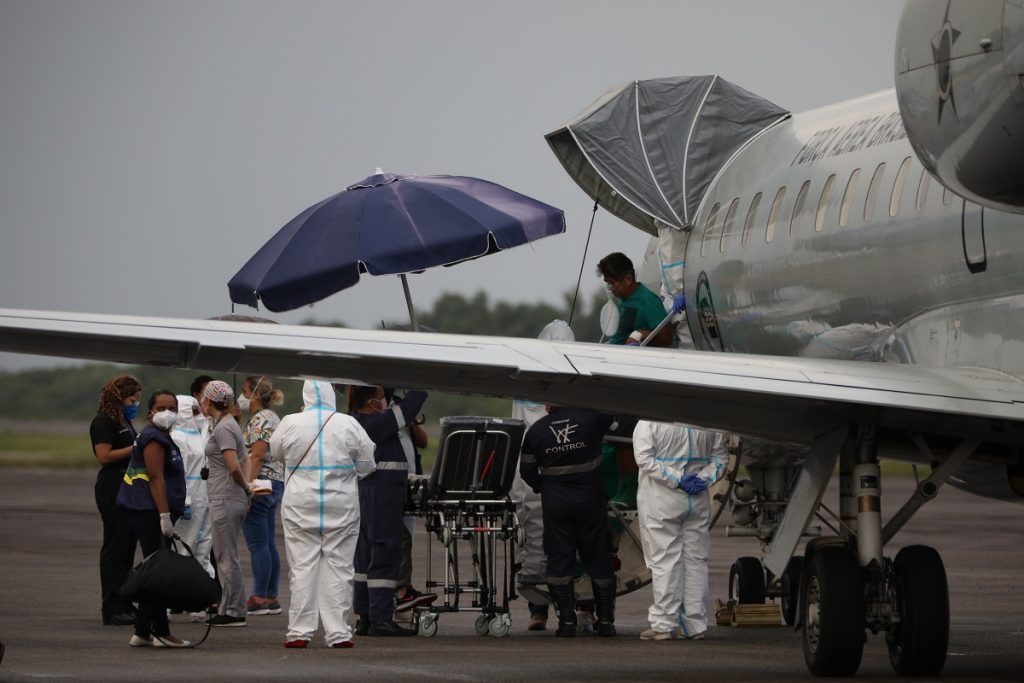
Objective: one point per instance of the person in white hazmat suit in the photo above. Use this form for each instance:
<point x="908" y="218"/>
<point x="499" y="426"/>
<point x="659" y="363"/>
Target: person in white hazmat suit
<point x="530" y="555"/>
<point x="678" y="463"/>
<point x="194" y="526"/>
<point x="325" y="453"/>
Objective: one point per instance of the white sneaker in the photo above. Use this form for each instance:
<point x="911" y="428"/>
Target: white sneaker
<point x="168" y="642"/>
<point x="681" y="635"/>
<point x="138" y="641"/>
<point x="651" y="634"/>
<point x="198" y="617"/>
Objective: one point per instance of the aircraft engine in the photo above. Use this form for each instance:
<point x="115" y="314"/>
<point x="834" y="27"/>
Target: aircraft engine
<point x="960" y="87"/>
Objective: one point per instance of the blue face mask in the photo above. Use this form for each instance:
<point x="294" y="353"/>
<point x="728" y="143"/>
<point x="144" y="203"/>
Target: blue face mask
<point x="130" y="412"/>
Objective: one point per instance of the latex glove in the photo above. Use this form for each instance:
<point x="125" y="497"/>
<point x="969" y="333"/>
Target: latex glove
<point x="679" y="303"/>
<point x="166" y="527"/>
<point x="693" y="484"/>
<point x="187" y="514"/>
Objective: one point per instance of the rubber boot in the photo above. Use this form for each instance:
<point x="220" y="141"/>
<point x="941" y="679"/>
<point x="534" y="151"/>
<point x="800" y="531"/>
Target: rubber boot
<point x="604" y="604"/>
<point x="565" y="607"/>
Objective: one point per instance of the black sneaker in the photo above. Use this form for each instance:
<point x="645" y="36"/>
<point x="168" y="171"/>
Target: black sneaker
<point x="412" y="598"/>
<point x="362" y="626"/>
<point x="388" y="628"/>
<point x="227" y="620"/>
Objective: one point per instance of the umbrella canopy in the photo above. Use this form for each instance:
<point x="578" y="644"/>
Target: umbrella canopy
<point x="648" y="150"/>
<point x="388" y="224"/>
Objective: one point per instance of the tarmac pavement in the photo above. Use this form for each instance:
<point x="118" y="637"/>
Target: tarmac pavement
<point x="50" y="617"/>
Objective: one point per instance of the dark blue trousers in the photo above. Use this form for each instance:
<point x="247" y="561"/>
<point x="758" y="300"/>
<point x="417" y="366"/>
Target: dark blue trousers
<point x="575" y="520"/>
<point x="379" y="548"/>
<point x="150" y="619"/>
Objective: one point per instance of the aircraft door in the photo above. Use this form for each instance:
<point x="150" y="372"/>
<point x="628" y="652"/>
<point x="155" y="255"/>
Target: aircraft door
<point x="671" y="251"/>
<point x="973" y="228"/>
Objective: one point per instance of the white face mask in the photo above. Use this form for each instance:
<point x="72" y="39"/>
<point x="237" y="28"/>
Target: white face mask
<point x="165" y="419"/>
<point x="243" y="403"/>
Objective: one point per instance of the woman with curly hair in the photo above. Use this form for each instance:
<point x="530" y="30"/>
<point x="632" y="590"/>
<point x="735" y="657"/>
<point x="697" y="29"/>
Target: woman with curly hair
<point x="113" y="435"/>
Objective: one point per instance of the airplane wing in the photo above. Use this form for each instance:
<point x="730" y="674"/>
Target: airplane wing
<point x="791" y="400"/>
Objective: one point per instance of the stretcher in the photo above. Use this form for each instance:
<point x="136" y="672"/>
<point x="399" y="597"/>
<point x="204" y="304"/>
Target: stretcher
<point x="467" y="512"/>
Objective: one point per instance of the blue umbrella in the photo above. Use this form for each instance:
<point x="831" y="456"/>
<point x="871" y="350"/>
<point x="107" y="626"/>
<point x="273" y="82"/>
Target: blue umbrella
<point x="388" y="225"/>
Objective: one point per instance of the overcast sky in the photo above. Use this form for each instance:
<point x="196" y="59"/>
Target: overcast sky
<point x="148" y="149"/>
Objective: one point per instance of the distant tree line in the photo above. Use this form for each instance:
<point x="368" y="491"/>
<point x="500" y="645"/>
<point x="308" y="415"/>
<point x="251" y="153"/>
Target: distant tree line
<point x="70" y="393"/>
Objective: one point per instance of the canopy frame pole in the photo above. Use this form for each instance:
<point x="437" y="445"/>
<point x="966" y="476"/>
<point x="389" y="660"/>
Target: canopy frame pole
<point x="579" y="279"/>
<point x="408" y="302"/>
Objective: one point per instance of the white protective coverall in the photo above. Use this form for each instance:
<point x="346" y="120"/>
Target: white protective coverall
<point x="190" y="438"/>
<point x="531" y="554"/>
<point x="674" y="525"/>
<point x="325" y="452"/>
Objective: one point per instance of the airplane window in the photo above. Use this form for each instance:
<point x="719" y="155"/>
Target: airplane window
<point x="947" y="197"/>
<point x="922" y="189"/>
<point x="773" y="215"/>
<point x="798" y="208"/>
<point x="869" y="201"/>
<point x="897" y="187"/>
<point x="751" y="216"/>
<point x="826" y="194"/>
<point x="851" y="187"/>
<point x="708" y="228"/>
<point x="730" y="215"/>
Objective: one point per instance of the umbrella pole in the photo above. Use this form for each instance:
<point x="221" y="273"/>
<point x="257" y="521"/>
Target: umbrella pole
<point x="408" y="302"/>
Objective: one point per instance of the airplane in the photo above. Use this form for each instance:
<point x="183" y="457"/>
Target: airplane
<point x="853" y="275"/>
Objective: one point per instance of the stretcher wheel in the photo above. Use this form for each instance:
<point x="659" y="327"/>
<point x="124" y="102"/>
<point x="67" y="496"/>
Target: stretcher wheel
<point x="446" y="536"/>
<point x="481" y="625"/>
<point x="520" y="536"/>
<point x="499" y="626"/>
<point x="428" y="625"/>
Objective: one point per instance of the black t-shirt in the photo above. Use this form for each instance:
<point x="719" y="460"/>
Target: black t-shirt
<point x="104" y="430"/>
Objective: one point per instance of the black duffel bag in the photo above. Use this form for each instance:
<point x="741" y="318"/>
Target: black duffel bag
<point x="171" y="580"/>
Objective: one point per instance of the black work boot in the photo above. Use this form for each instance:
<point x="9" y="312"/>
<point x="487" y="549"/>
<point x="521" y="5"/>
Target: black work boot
<point x="604" y="604"/>
<point x="565" y="607"/>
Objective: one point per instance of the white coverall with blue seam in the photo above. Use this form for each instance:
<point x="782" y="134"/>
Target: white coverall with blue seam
<point x="190" y="438"/>
<point x="325" y="453"/>
<point x="674" y="525"/>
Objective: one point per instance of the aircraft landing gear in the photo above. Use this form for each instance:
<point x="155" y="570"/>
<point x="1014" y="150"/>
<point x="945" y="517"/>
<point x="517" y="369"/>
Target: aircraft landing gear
<point x="919" y="636"/>
<point x="746" y="581"/>
<point x="832" y="610"/>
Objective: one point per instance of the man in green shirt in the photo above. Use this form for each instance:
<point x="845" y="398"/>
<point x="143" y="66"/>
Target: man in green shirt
<point x="640" y="309"/>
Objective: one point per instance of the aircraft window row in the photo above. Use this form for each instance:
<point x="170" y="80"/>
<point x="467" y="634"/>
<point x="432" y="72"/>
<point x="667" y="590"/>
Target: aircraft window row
<point x="801" y="209"/>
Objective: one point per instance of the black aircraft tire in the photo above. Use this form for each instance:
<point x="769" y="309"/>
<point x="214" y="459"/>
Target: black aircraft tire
<point x="833" y="612"/>
<point x="746" y="581"/>
<point x="791" y="589"/>
<point x="918" y="643"/>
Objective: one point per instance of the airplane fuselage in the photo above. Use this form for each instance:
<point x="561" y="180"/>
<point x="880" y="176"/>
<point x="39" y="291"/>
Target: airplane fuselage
<point x="883" y="265"/>
<point x="853" y="251"/>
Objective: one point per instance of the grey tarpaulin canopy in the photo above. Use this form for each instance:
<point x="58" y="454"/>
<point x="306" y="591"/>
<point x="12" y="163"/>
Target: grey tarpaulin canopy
<point x="648" y="150"/>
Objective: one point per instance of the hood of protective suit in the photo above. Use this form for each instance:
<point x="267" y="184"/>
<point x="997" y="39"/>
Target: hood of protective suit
<point x="187" y="407"/>
<point x="317" y="394"/>
<point x="557" y="330"/>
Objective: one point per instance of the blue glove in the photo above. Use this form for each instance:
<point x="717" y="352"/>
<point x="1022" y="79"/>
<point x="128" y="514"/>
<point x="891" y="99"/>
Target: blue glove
<point x="693" y="484"/>
<point x="679" y="303"/>
<point x="187" y="514"/>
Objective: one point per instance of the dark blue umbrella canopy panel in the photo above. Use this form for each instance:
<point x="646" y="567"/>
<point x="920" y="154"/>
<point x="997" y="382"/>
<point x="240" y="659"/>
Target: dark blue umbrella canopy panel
<point x="385" y="225"/>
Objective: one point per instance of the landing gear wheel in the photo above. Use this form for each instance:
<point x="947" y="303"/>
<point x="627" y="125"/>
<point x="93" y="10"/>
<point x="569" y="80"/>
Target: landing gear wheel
<point x="746" y="581"/>
<point x="482" y="625"/>
<point x="428" y="625"/>
<point x="833" y="611"/>
<point x="791" y="589"/>
<point x="500" y="625"/>
<point x="918" y="642"/>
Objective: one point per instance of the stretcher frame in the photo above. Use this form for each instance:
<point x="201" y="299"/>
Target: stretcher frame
<point x="467" y="510"/>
